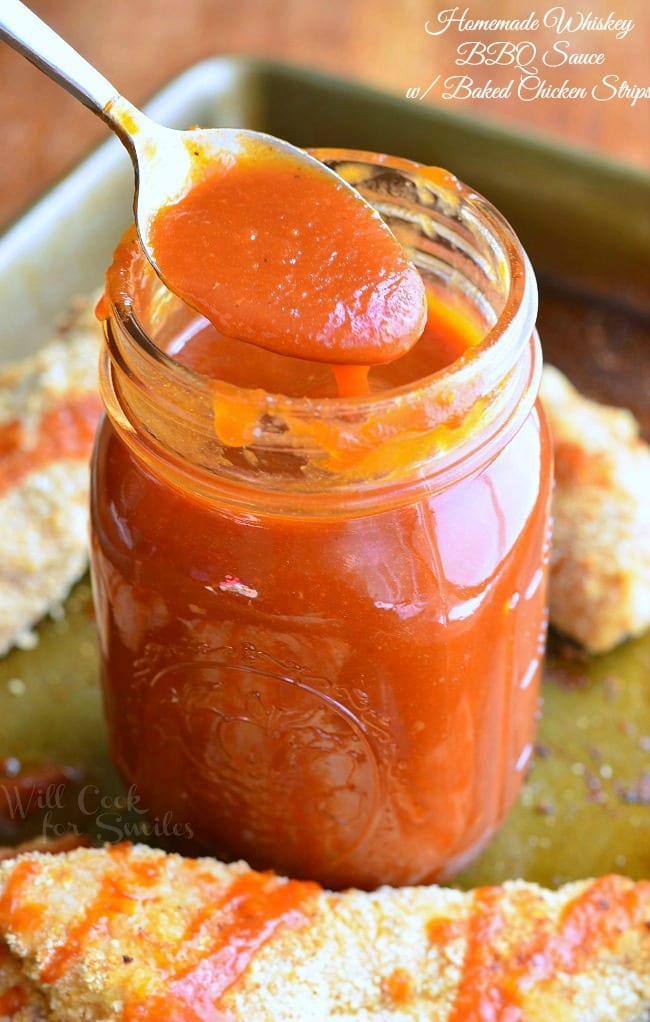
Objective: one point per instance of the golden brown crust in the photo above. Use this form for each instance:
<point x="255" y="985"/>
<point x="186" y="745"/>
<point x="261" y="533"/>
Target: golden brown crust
<point x="600" y="557"/>
<point x="580" y="954"/>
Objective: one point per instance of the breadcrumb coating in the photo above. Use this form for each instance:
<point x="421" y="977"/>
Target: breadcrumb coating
<point x="49" y="408"/>
<point x="600" y="557"/>
<point x="129" y="933"/>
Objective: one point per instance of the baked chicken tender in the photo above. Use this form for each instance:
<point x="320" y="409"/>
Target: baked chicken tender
<point x="130" y="933"/>
<point x="600" y="557"/>
<point x="49" y="409"/>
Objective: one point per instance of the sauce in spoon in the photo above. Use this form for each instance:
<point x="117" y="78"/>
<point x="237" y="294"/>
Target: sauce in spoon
<point x="283" y="256"/>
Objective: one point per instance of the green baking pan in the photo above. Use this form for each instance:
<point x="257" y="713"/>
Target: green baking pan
<point x="585" y="221"/>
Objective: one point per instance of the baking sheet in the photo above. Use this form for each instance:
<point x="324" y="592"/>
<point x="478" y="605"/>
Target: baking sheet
<point x="585" y="808"/>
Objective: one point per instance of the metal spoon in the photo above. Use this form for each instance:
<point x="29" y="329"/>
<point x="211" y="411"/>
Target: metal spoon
<point x="166" y="162"/>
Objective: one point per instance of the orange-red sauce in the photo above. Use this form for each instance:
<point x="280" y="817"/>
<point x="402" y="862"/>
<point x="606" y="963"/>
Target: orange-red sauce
<point x="197" y="344"/>
<point x="259" y="908"/>
<point x="13" y="999"/>
<point x="67" y="430"/>
<point x="15" y="911"/>
<point x="495" y="986"/>
<point x="118" y="894"/>
<point x="399" y="987"/>
<point x="448" y="333"/>
<point x="290" y="259"/>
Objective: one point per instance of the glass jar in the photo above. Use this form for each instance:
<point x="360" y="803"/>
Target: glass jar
<point x="322" y="619"/>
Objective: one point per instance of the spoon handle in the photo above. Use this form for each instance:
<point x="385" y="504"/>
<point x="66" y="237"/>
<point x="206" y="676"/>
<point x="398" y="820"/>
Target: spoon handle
<point x="23" y="30"/>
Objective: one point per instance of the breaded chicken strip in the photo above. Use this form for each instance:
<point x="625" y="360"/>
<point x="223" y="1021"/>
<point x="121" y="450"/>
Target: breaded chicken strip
<point x="20" y="999"/>
<point x="600" y="557"/>
<point x="128" y="933"/>
<point x="49" y="409"/>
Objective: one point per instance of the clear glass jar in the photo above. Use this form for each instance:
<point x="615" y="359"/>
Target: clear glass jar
<point x="322" y="619"/>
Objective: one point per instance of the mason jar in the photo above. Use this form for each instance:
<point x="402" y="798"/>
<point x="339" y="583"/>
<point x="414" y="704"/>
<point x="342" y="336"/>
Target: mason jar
<point x="322" y="618"/>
